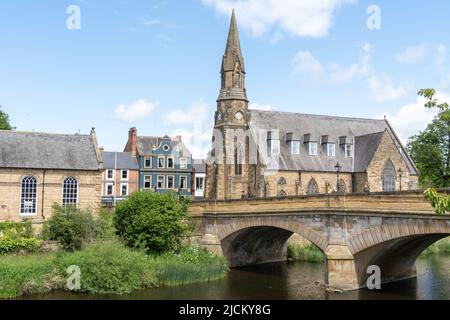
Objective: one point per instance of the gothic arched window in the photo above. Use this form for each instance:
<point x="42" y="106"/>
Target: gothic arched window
<point x="70" y="191"/>
<point x="238" y="159"/>
<point x="313" y="188"/>
<point x="282" y="181"/>
<point x="342" y="187"/>
<point x="282" y="194"/>
<point x="28" y="195"/>
<point x="388" y="177"/>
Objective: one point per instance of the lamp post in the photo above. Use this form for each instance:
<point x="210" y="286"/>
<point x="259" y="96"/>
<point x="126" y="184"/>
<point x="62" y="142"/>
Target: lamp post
<point x="400" y="174"/>
<point x="338" y="168"/>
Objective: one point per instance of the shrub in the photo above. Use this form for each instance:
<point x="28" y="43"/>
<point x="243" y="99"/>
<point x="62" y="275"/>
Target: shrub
<point x="104" y="225"/>
<point x="108" y="268"/>
<point x="19" y="245"/>
<point x="191" y="264"/>
<point x="153" y="221"/>
<point x="27" y="274"/>
<point x="16" y="229"/>
<point x="70" y="226"/>
<point x="308" y="253"/>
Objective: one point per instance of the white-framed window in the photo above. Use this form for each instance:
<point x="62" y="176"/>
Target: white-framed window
<point x="160" y="182"/>
<point x="70" y="191"/>
<point x="166" y="148"/>
<point x="295" y="147"/>
<point x="183" y="163"/>
<point x="170" y="182"/>
<point x="274" y="147"/>
<point x="312" y="148"/>
<point x="124" y="189"/>
<point x="109" y="189"/>
<point x="161" y="162"/>
<point x="125" y="174"/>
<point x="147" y="182"/>
<point x="110" y="174"/>
<point x="183" y="182"/>
<point x="199" y="183"/>
<point x="28" y="196"/>
<point x="147" y="162"/>
<point x="348" y="150"/>
<point x="331" y="149"/>
<point x="170" y="162"/>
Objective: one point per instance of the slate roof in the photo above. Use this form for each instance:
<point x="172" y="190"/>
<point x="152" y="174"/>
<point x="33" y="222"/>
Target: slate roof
<point x="34" y="150"/>
<point x="145" y="145"/>
<point x="199" y="165"/>
<point x="119" y="160"/>
<point x="317" y="128"/>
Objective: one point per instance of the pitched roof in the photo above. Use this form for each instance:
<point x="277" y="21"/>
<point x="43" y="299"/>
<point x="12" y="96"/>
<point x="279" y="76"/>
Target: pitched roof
<point x="314" y="128"/>
<point x="119" y="160"/>
<point x="199" y="165"/>
<point x="365" y="147"/>
<point x="146" y="145"/>
<point x="35" y="150"/>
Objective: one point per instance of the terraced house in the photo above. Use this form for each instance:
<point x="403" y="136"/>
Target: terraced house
<point x="38" y="170"/>
<point x="165" y="163"/>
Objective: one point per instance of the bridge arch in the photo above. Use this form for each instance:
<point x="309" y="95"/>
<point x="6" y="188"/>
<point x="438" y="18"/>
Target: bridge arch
<point x="252" y="241"/>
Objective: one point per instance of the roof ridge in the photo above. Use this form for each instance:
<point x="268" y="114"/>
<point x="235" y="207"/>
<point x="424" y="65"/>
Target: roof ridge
<point x="46" y="133"/>
<point x="316" y="115"/>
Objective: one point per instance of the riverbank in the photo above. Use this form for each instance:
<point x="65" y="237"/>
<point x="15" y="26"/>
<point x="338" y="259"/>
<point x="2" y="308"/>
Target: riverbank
<point x="106" y="268"/>
<point x="440" y="247"/>
<point x="305" y="253"/>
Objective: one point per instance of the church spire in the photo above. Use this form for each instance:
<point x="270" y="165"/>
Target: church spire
<point x="233" y="68"/>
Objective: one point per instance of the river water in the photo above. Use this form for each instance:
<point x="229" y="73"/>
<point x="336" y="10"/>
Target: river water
<point x="294" y="281"/>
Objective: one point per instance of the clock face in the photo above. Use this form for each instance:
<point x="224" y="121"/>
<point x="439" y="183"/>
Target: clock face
<point x="239" y="116"/>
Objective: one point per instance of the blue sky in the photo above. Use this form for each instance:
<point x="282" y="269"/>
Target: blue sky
<point x="155" y="64"/>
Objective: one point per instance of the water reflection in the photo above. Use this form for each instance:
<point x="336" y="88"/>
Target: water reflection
<point x="292" y="281"/>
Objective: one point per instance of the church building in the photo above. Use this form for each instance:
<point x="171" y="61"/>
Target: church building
<point x="277" y="154"/>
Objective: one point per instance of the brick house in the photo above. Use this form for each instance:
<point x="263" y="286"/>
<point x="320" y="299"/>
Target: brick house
<point x="38" y="170"/>
<point x="269" y="154"/>
<point x="120" y="177"/>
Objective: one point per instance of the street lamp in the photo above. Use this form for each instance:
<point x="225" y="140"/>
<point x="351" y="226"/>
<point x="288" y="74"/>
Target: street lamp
<point x="400" y="174"/>
<point x="338" y="168"/>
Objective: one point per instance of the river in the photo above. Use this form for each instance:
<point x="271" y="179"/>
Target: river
<point x="295" y="281"/>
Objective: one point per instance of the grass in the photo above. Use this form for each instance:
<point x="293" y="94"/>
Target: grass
<point x="440" y="247"/>
<point x="107" y="268"/>
<point x="308" y="253"/>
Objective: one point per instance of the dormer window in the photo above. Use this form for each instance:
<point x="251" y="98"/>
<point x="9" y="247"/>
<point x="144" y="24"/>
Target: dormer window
<point x="312" y="146"/>
<point x="295" y="147"/>
<point x="348" y="150"/>
<point x="273" y="142"/>
<point x="331" y="149"/>
<point x="293" y="140"/>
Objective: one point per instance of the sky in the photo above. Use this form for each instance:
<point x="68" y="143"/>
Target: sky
<point x="67" y="66"/>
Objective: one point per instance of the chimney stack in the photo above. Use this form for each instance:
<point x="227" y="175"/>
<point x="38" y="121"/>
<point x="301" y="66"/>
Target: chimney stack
<point x="132" y="141"/>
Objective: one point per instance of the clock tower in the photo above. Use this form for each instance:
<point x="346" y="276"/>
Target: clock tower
<point x="228" y="172"/>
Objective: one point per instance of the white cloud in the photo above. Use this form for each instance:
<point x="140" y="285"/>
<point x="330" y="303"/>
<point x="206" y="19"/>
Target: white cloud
<point x="197" y="140"/>
<point x="305" y="18"/>
<point x="413" y="55"/>
<point x="383" y="89"/>
<point x="412" y="118"/>
<point x="304" y="63"/>
<point x="135" y="111"/>
<point x="198" y="112"/>
<point x="441" y="55"/>
<point x="258" y="106"/>
<point x="360" y="69"/>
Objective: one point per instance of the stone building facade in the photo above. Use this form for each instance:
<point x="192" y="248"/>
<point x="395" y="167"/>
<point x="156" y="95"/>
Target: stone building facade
<point x="38" y="170"/>
<point x="275" y="154"/>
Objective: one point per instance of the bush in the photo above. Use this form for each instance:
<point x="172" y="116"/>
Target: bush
<point x="108" y="268"/>
<point x="153" y="221"/>
<point x="27" y="274"/>
<point x="308" y="253"/>
<point x="16" y="230"/>
<point x="19" y="245"/>
<point x="70" y="226"/>
<point x="191" y="264"/>
<point x="104" y="225"/>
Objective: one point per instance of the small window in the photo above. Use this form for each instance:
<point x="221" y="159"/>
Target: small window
<point x="170" y="182"/>
<point x="110" y="174"/>
<point x="331" y="150"/>
<point x="313" y="188"/>
<point x="124" y="189"/>
<point x="275" y="147"/>
<point x="183" y="163"/>
<point x="170" y="164"/>
<point x="124" y="174"/>
<point x="183" y="183"/>
<point x="349" y="150"/>
<point x="199" y="182"/>
<point x="147" y="182"/>
<point x="109" y="189"/>
<point x="160" y="182"/>
<point x="148" y="162"/>
<point x="295" y="147"/>
<point x="166" y="148"/>
<point x="313" y="148"/>
<point x="161" y="162"/>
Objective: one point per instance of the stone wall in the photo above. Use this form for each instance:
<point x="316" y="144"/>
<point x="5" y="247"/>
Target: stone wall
<point x="49" y="185"/>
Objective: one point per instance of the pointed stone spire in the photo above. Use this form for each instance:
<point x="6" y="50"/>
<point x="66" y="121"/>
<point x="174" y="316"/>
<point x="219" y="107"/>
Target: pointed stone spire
<point x="233" y="52"/>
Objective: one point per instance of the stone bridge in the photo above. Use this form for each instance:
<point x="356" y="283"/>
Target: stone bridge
<point x="354" y="231"/>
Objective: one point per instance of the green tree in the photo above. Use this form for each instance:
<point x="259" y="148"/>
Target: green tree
<point x="152" y="221"/>
<point x="4" y="121"/>
<point x="430" y="149"/>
